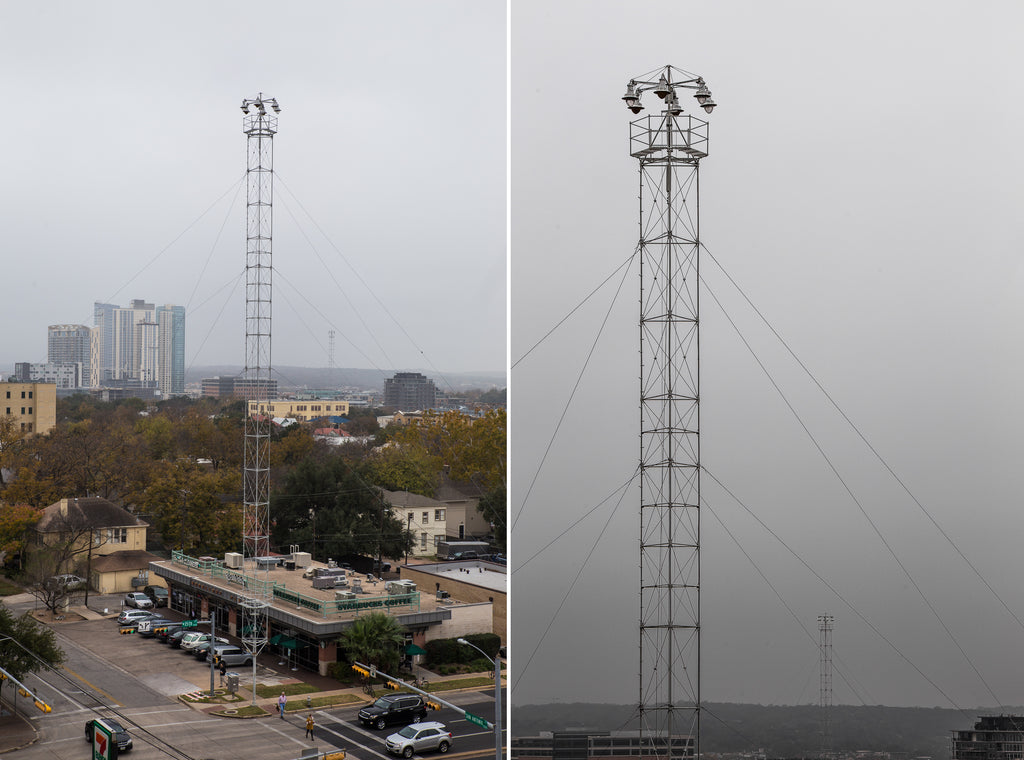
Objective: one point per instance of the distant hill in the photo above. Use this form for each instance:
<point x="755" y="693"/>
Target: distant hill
<point x="289" y="378"/>
<point x="782" y="731"/>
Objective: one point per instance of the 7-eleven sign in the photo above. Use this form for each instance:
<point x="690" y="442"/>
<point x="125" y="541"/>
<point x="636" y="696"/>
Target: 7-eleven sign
<point x="103" y="745"/>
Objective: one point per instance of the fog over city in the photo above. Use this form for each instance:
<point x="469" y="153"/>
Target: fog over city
<point x="862" y="189"/>
<point x="125" y="166"/>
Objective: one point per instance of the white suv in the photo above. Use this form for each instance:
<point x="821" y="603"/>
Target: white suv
<point x="191" y="640"/>
<point x="419" y="737"/>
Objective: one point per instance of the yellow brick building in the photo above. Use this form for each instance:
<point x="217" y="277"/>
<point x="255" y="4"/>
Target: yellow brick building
<point x="304" y="410"/>
<point x="32" y="405"/>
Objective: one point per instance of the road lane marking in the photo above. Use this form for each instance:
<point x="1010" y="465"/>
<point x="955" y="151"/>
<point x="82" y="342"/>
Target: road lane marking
<point x="91" y="686"/>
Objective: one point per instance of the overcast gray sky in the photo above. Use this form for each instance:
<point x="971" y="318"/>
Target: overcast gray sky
<point x="863" y="188"/>
<point x="122" y="127"/>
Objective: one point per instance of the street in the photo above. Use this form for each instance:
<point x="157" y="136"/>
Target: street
<point x="137" y="680"/>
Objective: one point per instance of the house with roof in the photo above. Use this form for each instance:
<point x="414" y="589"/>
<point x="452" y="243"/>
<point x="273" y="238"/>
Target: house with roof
<point x="97" y="539"/>
<point x="424" y="518"/>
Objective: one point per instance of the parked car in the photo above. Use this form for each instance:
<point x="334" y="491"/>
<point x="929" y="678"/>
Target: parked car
<point x="138" y="600"/>
<point x="464" y="556"/>
<point x="122" y="737"/>
<point x="394" y="708"/>
<point x="195" y="638"/>
<point x="157" y="595"/>
<point x="200" y="650"/>
<point x="69" y="582"/>
<point x="174" y="638"/>
<point x="419" y="737"/>
<point x="145" y="627"/>
<point x="131" y="617"/>
<point x="231" y="655"/>
<point x="165" y="631"/>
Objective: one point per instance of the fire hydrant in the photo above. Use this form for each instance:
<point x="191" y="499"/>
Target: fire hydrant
<point x="309" y="701"/>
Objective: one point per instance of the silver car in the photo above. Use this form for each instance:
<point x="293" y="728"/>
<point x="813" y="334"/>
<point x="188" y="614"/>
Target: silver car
<point x="231" y="656"/>
<point x="138" y="600"/>
<point x="419" y="737"/>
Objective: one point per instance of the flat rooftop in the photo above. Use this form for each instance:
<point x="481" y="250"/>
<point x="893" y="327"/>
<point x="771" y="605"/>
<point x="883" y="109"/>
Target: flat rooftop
<point x="294" y="598"/>
<point x="480" y="573"/>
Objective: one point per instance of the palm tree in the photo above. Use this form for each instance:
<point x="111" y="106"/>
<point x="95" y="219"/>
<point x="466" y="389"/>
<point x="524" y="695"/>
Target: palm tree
<point x="375" y="639"/>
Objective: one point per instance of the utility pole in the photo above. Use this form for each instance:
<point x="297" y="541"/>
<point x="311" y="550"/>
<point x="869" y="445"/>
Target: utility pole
<point x="669" y="146"/>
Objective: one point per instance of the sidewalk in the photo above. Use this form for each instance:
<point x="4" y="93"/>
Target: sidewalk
<point x="16" y="731"/>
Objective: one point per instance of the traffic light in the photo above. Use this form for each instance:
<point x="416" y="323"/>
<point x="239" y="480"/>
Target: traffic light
<point x="392" y="685"/>
<point x="361" y="671"/>
<point x="123" y="631"/>
<point x="433" y="705"/>
<point x="42" y="705"/>
<point x="216" y="659"/>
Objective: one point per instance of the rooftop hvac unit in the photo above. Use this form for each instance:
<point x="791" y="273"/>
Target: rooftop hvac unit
<point x="292" y="548"/>
<point x="323" y="582"/>
<point x="233" y="560"/>
<point x="302" y="559"/>
<point x="400" y="587"/>
<point x="442" y="594"/>
<point x="343" y="596"/>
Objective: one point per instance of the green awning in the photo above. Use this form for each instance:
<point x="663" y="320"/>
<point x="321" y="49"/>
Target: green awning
<point x="276" y="639"/>
<point x="413" y="649"/>
<point x="290" y="644"/>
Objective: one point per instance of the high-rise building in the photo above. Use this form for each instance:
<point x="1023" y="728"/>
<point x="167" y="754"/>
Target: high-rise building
<point x="63" y="375"/>
<point x="171" y="353"/>
<point x="139" y="346"/>
<point x="70" y="344"/>
<point x="409" y="392"/>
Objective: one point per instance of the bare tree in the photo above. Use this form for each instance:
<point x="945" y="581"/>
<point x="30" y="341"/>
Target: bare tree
<point x="64" y="542"/>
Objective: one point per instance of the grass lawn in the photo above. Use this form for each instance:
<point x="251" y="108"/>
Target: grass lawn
<point x="290" y="690"/>
<point x="7" y="588"/>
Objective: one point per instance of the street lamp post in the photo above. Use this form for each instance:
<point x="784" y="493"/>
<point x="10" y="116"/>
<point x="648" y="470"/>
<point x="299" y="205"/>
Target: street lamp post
<point x="497" y="697"/>
<point x="669" y="146"/>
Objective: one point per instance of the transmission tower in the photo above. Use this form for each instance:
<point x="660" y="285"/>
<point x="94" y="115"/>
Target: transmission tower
<point x="259" y="127"/>
<point x="669" y="146"/>
<point x="825" y="625"/>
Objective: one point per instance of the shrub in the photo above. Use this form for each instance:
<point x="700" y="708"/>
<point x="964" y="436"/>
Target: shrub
<point x="449" y="651"/>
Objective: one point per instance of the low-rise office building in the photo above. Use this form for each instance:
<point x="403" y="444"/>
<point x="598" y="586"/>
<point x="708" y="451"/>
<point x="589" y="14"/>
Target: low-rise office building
<point x="306" y="616"/>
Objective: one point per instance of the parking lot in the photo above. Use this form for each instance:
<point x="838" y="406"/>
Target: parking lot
<point x="163" y="669"/>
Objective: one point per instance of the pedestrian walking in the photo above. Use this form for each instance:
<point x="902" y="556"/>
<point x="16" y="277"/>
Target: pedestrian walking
<point x="223" y="671"/>
<point x="281" y="702"/>
<point x="309" y="726"/>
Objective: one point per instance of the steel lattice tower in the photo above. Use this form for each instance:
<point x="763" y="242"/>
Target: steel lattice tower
<point x="669" y="147"/>
<point x="825" y="625"/>
<point x="259" y="127"/>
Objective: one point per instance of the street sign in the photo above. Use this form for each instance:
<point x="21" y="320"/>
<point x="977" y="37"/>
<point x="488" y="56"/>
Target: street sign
<point x="477" y="721"/>
<point x="189" y="623"/>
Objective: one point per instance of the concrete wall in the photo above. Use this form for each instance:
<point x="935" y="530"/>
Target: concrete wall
<point x="460" y="591"/>
<point x="466" y="619"/>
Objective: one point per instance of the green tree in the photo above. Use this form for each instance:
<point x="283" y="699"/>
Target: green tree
<point x="404" y="468"/>
<point x="15" y="520"/>
<point x="27" y="646"/>
<point x="375" y="639"/>
<point x="474" y="448"/>
<point x="492" y="507"/>
<point x="330" y="506"/>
